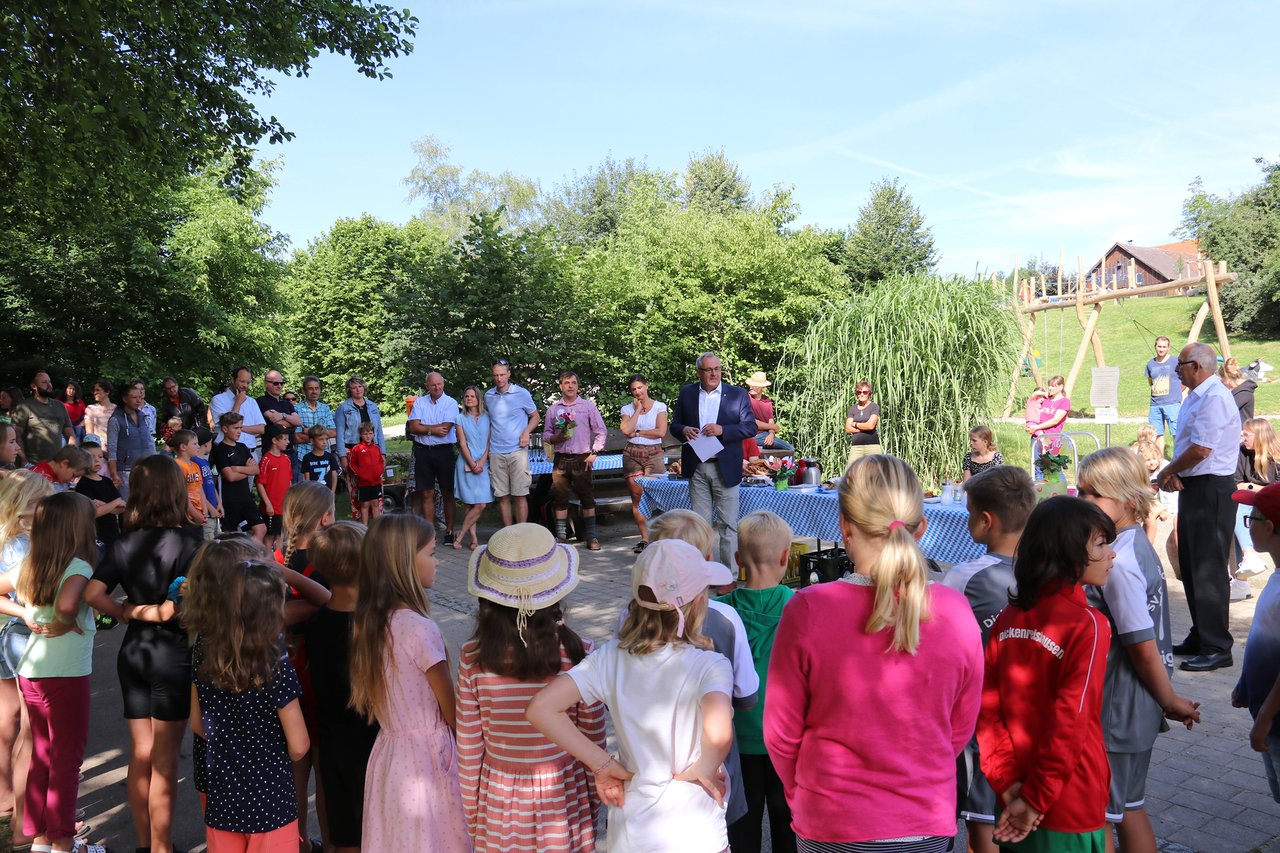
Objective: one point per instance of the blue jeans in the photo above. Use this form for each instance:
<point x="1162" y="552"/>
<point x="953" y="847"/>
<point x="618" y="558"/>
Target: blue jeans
<point x="1243" y="539"/>
<point x="1159" y="415"/>
<point x="778" y="444"/>
<point x="1271" y="761"/>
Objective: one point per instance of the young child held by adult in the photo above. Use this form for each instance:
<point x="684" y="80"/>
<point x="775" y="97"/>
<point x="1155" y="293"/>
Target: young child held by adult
<point x="400" y="679"/>
<point x="999" y="501"/>
<point x="54" y="670"/>
<point x="209" y="485"/>
<point x="522" y="793"/>
<point x="108" y="506"/>
<point x="185" y="449"/>
<point x="275" y="474"/>
<point x="982" y="453"/>
<point x="344" y="739"/>
<point x="320" y="465"/>
<point x="367" y="466"/>
<point x="65" y="465"/>
<point x="235" y="464"/>
<point x="245" y="706"/>
<point x="728" y="635"/>
<point x="660" y="668"/>
<point x="1137" y="693"/>
<point x="1259" y="686"/>
<point x="1039" y="730"/>
<point x="764" y="549"/>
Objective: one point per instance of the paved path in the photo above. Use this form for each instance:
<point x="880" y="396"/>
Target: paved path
<point x="1206" y="791"/>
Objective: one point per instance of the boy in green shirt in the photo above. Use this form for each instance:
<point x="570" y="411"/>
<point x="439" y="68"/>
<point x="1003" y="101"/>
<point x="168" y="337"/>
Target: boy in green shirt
<point x="764" y="548"/>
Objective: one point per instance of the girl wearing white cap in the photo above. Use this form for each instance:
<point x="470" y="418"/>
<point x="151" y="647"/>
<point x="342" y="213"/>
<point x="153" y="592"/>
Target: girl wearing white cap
<point x="666" y="788"/>
<point x="520" y="791"/>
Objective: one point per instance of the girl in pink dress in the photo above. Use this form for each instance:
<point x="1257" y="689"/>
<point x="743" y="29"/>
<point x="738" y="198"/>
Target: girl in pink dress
<point x="521" y="792"/>
<point x="400" y="678"/>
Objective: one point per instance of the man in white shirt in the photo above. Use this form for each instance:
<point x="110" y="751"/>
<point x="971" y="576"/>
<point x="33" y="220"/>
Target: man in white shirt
<point x="1205" y="450"/>
<point x="237" y="399"/>
<point x="432" y="427"/>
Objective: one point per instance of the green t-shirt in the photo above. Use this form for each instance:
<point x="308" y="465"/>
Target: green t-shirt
<point x="761" y="611"/>
<point x="67" y="656"/>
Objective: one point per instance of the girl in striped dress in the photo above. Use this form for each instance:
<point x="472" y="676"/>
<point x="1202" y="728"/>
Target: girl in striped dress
<point x="520" y="791"/>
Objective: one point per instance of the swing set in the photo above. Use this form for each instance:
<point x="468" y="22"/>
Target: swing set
<point x="1032" y="298"/>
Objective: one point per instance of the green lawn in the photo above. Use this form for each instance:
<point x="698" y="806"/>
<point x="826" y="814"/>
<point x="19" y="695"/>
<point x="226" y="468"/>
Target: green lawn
<point x="1128" y="330"/>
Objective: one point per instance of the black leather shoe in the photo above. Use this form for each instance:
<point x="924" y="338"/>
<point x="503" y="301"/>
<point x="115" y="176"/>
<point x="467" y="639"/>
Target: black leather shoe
<point x="1186" y="649"/>
<point x="1205" y="663"/>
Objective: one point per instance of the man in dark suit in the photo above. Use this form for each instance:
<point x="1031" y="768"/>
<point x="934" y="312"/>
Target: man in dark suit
<point x="709" y="407"/>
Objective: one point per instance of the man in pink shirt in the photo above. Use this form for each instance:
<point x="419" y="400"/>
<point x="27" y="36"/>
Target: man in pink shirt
<point x="577" y="432"/>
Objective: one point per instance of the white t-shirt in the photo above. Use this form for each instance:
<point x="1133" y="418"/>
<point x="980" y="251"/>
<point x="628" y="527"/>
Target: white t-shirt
<point x="654" y="701"/>
<point x="649" y="420"/>
<point x="223" y="403"/>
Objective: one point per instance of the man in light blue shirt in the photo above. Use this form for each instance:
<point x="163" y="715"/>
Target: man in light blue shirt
<point x="512" y="419"/>
<point x="1205" y="450"/>
<point x="432" y="428"/>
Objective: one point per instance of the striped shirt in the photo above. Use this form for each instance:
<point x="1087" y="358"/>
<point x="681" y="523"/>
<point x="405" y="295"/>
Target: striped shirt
<point x="493" y="731"/>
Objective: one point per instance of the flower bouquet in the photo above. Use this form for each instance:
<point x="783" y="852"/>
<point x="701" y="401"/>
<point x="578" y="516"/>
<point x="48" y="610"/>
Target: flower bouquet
<point x="781" y="471"/>
<point x="565" y="422"/>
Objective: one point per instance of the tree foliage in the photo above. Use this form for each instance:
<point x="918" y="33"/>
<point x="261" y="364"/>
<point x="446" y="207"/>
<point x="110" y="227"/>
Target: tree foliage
<point x="936" y="351"/>
<point x="589" y="207"/>
<point x="889" y="238"/>
<point x="712" y="182"/>
<point x="453" y="195"/>
<point x="1244" y="231"/>
<point x="106" y="101"/>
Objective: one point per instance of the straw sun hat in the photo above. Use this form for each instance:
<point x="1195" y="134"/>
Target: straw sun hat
<point x="759" y="380"/>
<point x="524" y="568"/>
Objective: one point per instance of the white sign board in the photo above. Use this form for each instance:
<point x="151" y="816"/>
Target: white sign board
<point x="1106" y="415"/>
<point x="1105" y="392"/>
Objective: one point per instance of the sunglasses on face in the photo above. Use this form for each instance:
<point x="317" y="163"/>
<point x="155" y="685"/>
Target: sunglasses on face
<point x="500" y="362"/>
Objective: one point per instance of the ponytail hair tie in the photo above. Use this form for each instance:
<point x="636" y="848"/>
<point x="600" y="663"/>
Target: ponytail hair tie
<point x="896" y="523"/>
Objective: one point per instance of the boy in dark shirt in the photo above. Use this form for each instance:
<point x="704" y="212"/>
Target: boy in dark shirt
<point x="320" y="464"/>
<point x="999" y="499"/>
<point x="235" y="464"/>
<point x="107" y="503"/>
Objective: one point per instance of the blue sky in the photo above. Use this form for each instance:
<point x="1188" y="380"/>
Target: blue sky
<point x="1016" y="127"/>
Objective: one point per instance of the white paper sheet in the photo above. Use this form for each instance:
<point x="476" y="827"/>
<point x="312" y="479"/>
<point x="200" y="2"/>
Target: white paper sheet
<point x="705" y="446"/>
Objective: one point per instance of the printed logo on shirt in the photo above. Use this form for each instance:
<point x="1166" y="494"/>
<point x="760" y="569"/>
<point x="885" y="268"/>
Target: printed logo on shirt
<point x="1035" y="636"/>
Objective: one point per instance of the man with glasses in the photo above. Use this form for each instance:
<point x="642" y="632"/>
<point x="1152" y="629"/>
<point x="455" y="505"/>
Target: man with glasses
<point x="709" y="407"/>
<point x="1205" y="450"/>
<point x="512" y="419"/>
<point x="279" y="411"/>
<point x="236" y="399"/>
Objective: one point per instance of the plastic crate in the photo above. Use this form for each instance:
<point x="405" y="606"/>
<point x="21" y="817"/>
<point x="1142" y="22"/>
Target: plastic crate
<point x="825" y="566"/>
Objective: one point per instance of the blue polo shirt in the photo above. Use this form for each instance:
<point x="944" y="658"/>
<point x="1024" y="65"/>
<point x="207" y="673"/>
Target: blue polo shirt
<point x="508" y="416"/>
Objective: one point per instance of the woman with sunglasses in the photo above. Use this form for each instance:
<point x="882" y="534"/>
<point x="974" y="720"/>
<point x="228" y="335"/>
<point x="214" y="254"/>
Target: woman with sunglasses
<point x="862" y="424"/>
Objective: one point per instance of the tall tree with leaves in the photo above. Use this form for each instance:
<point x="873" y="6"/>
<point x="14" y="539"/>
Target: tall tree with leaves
<point x="452" y="194"/>
<point x="889" y="238"/>
<point x="715" y="183"/>
<point x="104" y="102"/>
<point x="590" y="207"/>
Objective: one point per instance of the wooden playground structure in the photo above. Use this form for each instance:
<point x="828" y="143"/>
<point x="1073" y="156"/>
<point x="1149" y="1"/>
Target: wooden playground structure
<point x="1033" y="296"/>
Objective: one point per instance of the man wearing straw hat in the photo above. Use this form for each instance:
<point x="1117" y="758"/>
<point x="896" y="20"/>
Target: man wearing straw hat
<point x="762" y="408"/>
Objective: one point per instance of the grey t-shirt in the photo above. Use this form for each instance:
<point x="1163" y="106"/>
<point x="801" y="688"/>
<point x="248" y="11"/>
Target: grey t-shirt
<point x="985" y="582"/>
<point x="1135" y="599"/>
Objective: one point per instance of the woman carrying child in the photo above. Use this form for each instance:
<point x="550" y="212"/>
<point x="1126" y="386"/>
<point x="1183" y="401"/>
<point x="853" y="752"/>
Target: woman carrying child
<point x="1137" y="692"/>
<point x="400" y="679"/>
<point x="154" y="661"/>
<point x="666" y="788"/>
<point x="520" y="791"/>
<point x="1040" y="732"/>
<point x="886" y="633"/>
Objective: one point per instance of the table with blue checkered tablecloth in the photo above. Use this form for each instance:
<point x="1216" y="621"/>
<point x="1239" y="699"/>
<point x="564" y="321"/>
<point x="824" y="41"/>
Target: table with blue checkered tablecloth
<point x="817" y="514"/>
<point x="605" y="462"/>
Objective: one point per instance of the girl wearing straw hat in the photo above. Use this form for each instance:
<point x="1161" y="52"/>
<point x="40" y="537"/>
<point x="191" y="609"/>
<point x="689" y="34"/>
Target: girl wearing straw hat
<point x="520" y="791"/>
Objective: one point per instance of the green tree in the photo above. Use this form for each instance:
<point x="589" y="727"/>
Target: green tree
<point x="889" y="238"/>
<point x="342" y="294"/>
<point x="106" y="101"/>
<point x="589" y="207"/>
<point x="713" y="182"/>
<point x="1244" y="231"/>
<point x="186" y="283"/>
<point x="453" y="195"/>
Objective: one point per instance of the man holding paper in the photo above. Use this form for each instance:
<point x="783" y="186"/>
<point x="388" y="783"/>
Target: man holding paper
<point x="712" y="419"/>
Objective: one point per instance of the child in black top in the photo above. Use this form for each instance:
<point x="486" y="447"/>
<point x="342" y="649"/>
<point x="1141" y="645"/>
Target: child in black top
<point x="107" y="503"/>
<point x="235" y="464"/>
<point x="320" y="464"/>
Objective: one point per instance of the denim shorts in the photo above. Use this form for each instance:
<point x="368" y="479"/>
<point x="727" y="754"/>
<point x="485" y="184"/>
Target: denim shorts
<point x="14" y="635"/>
<point x="1159" y="415"/>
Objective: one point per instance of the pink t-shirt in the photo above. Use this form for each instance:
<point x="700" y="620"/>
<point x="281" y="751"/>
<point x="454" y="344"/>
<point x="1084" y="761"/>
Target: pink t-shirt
<point x="1048" y="409"/>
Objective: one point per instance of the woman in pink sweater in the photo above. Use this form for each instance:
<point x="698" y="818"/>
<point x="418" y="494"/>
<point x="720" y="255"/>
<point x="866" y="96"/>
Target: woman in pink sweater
<point x="875" y="681"/>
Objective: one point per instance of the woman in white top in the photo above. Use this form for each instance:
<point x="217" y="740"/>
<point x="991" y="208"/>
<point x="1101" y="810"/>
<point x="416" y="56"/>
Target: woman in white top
<point x="644" y="422"/>
<point x="98" y="413"/>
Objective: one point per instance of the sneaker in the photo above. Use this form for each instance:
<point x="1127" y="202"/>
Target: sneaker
<point x="448" y="537"/>
<point x="1240" y="590"/>
<point x="1251" y="565"/>
<point x="82" y="846"/>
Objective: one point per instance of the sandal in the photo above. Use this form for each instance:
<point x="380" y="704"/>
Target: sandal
<point x="640" y="546"/>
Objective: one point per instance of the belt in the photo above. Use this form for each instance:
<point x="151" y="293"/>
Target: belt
<point x="575" y="455"/>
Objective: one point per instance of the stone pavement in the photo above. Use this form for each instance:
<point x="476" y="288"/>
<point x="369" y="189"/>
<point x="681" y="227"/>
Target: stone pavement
<point x="1206" y="790"/>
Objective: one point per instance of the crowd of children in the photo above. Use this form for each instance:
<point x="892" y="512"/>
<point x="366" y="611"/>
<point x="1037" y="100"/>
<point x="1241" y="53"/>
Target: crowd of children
<point x="1043" y="696"/>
